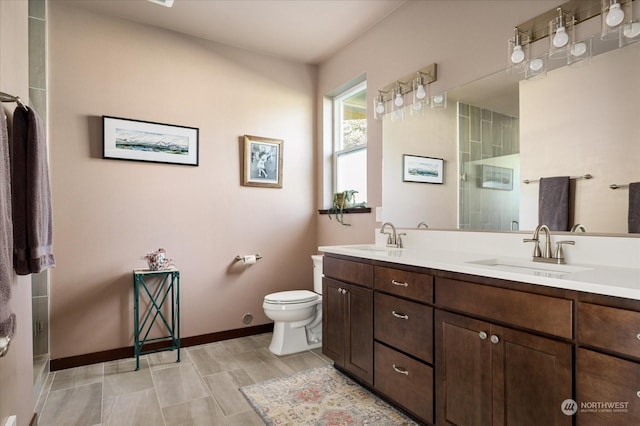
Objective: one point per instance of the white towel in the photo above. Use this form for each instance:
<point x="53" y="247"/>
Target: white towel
<point x="7" y="318"/>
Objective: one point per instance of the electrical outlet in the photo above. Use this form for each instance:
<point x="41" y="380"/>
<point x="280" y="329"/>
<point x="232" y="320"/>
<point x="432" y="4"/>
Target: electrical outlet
<point x="11" y="421"/>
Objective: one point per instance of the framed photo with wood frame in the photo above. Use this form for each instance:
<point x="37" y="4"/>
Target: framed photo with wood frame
<point x="262" y="162"/>
<point x="126" y="139"/>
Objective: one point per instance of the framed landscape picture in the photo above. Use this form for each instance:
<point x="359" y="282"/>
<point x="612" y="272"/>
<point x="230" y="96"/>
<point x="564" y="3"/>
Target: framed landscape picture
<point x="262" y="162"/>
<point x="423" y="169"/>
<point x="126" y="139"/>
<point x="494" y="177"/>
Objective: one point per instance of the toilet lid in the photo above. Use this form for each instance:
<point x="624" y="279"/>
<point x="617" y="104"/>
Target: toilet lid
<point x="292" y="296"/>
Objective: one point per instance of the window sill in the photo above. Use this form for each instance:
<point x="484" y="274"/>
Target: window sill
<point x="347" y="211"/>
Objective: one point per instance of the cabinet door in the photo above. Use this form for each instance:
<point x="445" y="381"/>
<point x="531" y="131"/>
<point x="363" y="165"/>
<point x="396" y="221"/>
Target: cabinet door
<point x="463" y="370"/>
<point x="531" y="376"/>
<point x="359" y="332"/>
<point x="333" y="320"/>
<point x="607" y="390"/>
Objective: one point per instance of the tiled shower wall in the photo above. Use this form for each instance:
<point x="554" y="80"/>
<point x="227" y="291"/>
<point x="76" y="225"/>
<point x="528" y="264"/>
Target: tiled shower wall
<point x="38" y="101"/>
<point x="491" y="138"/>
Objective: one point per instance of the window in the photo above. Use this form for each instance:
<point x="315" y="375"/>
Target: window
<point x="350" y="141"/>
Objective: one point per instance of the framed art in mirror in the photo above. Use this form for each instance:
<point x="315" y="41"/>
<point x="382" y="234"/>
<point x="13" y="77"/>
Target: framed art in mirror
<point x="494" y="177"/>
<point x="262" y="162"/>
<point x="422" y="169"/>
<point x="126" y="139"/>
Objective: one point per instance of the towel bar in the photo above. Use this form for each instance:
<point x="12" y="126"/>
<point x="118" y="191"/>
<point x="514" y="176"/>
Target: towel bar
<point x="616" y="186"/>
<point x="587" y="176"/>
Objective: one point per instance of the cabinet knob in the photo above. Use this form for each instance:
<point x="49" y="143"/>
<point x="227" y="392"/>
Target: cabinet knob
<point x="400" y="315"/>
<point x="483" y="335"/>
<point x="401" y="370"/>
<point x="638" y="336"/>
<point x="342" y="290"/>
<point x="399" y="283"/>
<point x="494" y="339"/>
<point x="638" y="394"/>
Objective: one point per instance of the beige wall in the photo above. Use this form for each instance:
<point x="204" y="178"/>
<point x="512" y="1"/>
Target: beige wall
<point x="16" y="368"/>
<point x="467" y="39"/>
<point x="108" y="213"/>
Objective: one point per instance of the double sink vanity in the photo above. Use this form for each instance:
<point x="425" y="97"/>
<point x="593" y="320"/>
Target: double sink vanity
<point x="454" y="336"/>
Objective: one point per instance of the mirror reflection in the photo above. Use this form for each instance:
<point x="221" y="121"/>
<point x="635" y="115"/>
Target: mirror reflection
<point x="503" y="130"/>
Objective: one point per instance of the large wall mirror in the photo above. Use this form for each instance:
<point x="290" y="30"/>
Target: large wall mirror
<point x="502" y="130"/>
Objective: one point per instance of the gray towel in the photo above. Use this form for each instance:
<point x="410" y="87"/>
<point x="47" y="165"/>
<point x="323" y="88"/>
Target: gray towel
<point x="553" y="203"/>
<point x="634" y="208"/>
<point x="32" y="222"/>
<point x="7" y="318"/>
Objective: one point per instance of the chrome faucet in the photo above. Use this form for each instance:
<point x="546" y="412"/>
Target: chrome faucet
<point x="578" y="227"/>
<point x="393" y="239"/>
<point x="545" y="255"/>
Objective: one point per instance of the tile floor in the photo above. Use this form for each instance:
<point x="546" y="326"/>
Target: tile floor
<point x="200" y="390"/>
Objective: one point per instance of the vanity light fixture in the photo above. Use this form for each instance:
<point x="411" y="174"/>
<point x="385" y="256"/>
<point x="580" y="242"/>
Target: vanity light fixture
<point x="630" y="32"/>
<point x="518" y="47"/>
<point x="396" y="93"/>
<point x="579" y="53"/>
<point x="439" y="101"/>
<point x="613" y="13"/>
<point x="561" y="34"/>
<point x="420" y="94"/>
<point x="378" y="105"/>
<point x="536" y="68"/>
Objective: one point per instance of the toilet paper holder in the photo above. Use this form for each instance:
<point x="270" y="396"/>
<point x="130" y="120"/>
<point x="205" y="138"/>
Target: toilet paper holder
<point x="239" y="258"/>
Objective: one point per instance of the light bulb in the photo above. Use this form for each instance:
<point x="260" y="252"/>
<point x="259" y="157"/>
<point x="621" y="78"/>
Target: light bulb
<point x="561" y="38"/>
<point x="536" y="64"/>
<point x="380" y="107"/>
<point x="579" y="49"/>
<point x="517" y="55"/>
<point x="398" y="101"/>
<point x="420" y="92"/>
<point x="631" y="30"/>
<point x="615" y="15"/>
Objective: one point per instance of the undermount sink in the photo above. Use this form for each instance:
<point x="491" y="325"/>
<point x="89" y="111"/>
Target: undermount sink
<point x="524" y="266"/>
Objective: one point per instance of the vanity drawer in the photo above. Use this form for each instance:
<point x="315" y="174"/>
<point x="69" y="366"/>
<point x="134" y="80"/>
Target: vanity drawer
<point x="403" y="283"/>
<point x="348" y="271"/>
<point x="404" y="380"/>
<point x="547" y="314"/>
<point x="609" y="328"/>
<point x="405" y="325"/>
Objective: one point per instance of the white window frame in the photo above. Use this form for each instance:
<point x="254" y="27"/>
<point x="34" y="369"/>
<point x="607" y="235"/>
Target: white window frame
<point x="337" y="129"/>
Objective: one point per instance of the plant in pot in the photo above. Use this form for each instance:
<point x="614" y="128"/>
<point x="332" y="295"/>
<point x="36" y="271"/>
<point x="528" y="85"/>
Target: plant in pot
<point x="342" y="201"/>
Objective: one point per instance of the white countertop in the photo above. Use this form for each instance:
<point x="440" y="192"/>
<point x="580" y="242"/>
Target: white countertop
<point x="599" y="279"/>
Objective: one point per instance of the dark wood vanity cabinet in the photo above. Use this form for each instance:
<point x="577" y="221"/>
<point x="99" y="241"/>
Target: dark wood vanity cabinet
<point x="488" y="374"/>
<point x="403" y="333"/>
<point x="455" y="349"/>
<point x="608" y="365"/>
<point x="347" y="316"/>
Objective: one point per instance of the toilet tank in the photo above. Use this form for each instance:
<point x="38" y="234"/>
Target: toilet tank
<point x="317" y="273"/>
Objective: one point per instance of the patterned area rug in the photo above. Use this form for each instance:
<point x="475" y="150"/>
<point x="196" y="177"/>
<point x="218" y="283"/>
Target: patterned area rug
<point x="323" y="397"/>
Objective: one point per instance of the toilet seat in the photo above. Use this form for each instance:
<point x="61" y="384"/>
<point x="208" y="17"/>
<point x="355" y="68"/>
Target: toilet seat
<point x="291" y="297"/>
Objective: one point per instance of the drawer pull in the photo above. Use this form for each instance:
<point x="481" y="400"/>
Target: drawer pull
<point x="399" y="283"/>
<point x="400" y="315"/>
<point x="483" y="335"/>
<point x="494" y="339"/>
<point x="400" y="370"/>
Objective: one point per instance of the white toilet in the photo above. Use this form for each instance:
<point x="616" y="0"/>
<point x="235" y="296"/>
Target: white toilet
<point x="297" y="316"/>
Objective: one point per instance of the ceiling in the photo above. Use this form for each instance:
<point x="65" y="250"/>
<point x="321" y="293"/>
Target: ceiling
<point x="306" y="31"/>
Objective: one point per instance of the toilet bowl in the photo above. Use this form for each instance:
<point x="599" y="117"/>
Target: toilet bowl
<point x="297" y="316"/>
